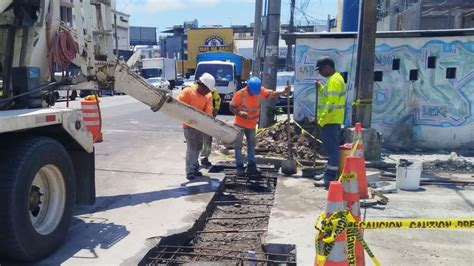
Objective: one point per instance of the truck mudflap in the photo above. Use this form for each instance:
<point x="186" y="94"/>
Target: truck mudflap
<point x="135" y="86"/>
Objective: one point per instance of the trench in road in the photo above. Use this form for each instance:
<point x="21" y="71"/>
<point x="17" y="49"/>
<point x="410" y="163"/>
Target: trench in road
<point x="232" y="229"/>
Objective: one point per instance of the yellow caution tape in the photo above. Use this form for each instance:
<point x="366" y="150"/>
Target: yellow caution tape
<point x="330" y="227"/>
<point x="260" y="130"/>
<point x="307" y="133"/>
<point x="362" y="102"/>
<point x="467" y="223"/>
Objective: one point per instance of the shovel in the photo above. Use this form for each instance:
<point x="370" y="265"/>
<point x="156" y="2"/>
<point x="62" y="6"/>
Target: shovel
<point x="288" y="166"/>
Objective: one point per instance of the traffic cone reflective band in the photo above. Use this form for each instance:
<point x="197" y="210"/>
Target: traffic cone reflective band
<point x="338" y="254"/>
<point x="91" y="116"/>
<point x="351" y="198"/>
<point x="357" y="141"/>
<point x="357" y="165"/>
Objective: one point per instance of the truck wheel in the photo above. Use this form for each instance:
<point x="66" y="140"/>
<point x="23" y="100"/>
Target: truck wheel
<point x="37" y="195"/>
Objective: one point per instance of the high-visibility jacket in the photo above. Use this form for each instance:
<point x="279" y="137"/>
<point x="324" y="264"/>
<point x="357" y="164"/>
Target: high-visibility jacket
<point x="244" y="101"/>
<point x="331" y="101"/>
<point x="190" y="96"/>
<point x="216" y="101"/>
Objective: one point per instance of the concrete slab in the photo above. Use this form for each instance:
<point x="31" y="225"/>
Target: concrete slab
<point x="298" y="203"/>
<point x="418" y="246"/>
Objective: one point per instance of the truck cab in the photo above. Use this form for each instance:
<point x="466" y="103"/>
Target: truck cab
<point x="228" y="69"/>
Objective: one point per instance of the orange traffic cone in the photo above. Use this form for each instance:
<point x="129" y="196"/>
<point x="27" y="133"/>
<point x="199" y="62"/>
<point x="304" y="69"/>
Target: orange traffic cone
<point x="92" y="118"/>
<point x="338" y="254"/>
<point x="357" y="141"/>
<point x="357" y="165"/>
<point x="350" y="182"/>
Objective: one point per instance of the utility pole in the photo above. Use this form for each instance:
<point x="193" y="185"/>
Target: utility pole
<point x="115" y="34"/>
<point x="270" y="65"/>
<point x="291" y="29"/>
<point x="364" y="80"/>
<point x="257" y="30"/>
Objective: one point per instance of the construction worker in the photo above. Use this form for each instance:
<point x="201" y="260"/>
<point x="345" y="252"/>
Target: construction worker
<point x="245" y="105"/>
<point x="207" y="140"/>
<point x="198" y="97"/>
<point x="330" y="115"/>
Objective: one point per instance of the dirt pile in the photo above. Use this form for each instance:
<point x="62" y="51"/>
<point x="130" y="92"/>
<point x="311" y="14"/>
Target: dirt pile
<point x="274" y="141"/>
<point x="458" y="165"/>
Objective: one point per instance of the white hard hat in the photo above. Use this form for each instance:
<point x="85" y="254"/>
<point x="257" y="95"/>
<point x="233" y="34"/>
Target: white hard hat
<point x="208" y="80"/>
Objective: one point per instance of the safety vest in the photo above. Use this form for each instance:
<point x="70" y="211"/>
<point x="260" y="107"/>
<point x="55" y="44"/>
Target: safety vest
<point x="331" y="101"/>
<point x="216" y="100"/>
<point x="249" y="104"/>
<point x="253" y="110"/>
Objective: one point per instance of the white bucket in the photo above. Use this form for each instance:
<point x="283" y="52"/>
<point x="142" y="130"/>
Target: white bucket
<point x="408" y="177"/>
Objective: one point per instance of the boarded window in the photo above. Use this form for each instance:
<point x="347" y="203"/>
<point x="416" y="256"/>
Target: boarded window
<point x="396" y="64"/>
<point x="414" y="74"/>
<point x="432" y="62"/>
<point x="378" y="76"/>
<point x="344" y="76"/>
<point x="451" y="73"/>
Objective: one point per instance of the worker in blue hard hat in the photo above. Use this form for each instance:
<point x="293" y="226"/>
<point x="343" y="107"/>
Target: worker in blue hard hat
<point x="245" y="105"/>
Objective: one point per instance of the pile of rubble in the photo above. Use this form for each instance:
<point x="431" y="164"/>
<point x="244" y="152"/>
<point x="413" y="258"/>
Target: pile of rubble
<point x="458" y="165"/>
<point x="274" y="141"/>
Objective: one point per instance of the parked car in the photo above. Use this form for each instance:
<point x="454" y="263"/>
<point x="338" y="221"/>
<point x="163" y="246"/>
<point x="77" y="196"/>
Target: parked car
<point x="179" y="81"/>
<point x="62" y="94"/>
<point x="159" y="83"/>
<point x="282" y="78"/>
<point x="188" y="82"/>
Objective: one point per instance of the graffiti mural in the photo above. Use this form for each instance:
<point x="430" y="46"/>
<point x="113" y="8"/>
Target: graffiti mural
<point x="425" y="87"/>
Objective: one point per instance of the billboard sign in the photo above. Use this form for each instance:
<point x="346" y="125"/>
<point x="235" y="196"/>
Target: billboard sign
<point x="143" y="36"/>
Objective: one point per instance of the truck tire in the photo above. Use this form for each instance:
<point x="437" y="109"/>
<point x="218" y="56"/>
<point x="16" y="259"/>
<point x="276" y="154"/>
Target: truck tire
<point x="37" y="195"/>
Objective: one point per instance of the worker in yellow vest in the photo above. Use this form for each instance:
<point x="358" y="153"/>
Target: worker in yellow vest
<point x="207" y="140"/>
<point x="330" y="115"/>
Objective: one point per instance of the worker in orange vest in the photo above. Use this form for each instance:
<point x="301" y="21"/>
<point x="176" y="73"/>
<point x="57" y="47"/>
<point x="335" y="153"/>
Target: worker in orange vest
<point x="198" y="96"/>
<point x="245" y="105"/>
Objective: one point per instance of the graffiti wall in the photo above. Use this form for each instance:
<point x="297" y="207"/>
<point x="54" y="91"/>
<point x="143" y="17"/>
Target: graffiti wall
<point x="423" y="90"/>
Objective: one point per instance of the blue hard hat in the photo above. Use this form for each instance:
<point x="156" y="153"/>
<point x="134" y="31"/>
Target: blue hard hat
<point x="254" y="85"/>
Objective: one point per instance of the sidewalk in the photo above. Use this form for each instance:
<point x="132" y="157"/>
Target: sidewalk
<point x="298" y="203"/>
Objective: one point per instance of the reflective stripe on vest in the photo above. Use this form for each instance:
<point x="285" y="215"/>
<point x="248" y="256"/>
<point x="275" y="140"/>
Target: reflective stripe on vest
<point x="334" y="94"/>
<point x="253" y="113"/>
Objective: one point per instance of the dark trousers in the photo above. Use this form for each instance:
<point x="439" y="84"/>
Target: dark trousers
<point x="330" y="138"/>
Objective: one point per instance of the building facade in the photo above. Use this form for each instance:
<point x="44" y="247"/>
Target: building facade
<point x="121" y="21"/>
<point x="423" y="85"/>
<point x="399" y="15"/>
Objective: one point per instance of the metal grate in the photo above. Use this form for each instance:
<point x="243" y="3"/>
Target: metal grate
<point x="185" y="254"/>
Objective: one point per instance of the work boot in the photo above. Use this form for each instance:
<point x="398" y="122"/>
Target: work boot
<point x="197" y="173"/>
<point x="252" y="170"/>
<point x="319" y="177"/>
<point x="190" y="176"/>
<point x="240" y="170"/>
<point x="205" y="162"/>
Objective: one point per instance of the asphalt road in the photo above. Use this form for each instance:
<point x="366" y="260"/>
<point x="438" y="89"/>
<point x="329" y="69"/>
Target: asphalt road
<point x="142" y="192"/>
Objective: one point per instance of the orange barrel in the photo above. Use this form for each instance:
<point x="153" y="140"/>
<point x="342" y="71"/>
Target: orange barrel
<point x="338" y="254"/>
<point x="344" y="151"/>
<point x="91" y="116"/>
<point x="350" y="182"/>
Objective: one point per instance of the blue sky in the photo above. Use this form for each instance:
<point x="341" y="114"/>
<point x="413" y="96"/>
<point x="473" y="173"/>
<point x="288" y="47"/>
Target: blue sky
<point x="166" y="13"/>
